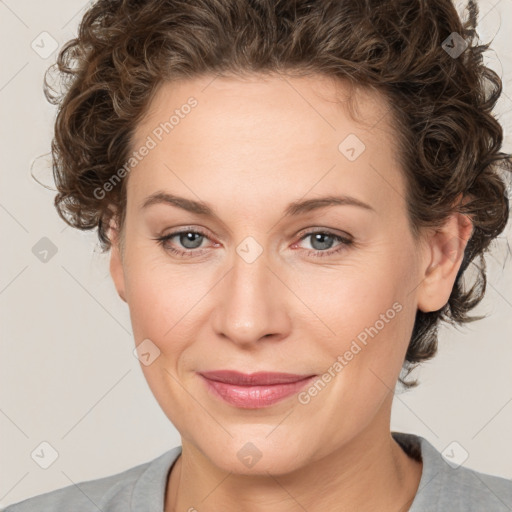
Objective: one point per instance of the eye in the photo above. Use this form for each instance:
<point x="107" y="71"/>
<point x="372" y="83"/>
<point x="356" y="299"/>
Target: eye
<point x="192" y="239"/>
<point x="322" y="241"/>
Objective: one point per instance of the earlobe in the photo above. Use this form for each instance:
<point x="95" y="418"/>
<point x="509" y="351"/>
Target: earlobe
<point x="116" y="262"/>
<point x="444" y="255"/>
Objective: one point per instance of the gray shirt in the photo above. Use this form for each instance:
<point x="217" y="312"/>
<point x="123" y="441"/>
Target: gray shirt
<point x="442" y="487"/>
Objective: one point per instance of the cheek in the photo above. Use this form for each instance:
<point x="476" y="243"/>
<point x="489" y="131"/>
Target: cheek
<point x="158" y="311"/>
<point x="157" y="304"/>
<point x="367" y="313"/>
<point x="349" y="298"/>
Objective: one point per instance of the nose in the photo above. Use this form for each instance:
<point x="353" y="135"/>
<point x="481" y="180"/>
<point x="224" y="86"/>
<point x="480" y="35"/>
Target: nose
<point x="252" y="304"/>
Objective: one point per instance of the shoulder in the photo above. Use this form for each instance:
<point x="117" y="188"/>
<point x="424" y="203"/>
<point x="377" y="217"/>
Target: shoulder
<point x="447" y="485"/>
<point x="462" y="488"/>
<point x="109" y="494"/>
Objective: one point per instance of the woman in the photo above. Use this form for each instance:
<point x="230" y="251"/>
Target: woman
<point x="291" y="192"/>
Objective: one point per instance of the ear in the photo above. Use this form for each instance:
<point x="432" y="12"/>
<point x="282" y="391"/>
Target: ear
<point x="444" y="252"/>
<point x="116" y="260"/>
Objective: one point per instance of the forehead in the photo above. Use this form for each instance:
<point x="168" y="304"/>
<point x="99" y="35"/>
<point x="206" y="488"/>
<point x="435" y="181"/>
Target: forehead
<point x="282" y="131"/>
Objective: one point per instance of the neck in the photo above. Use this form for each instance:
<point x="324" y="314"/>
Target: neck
<point x="369" y="473"/>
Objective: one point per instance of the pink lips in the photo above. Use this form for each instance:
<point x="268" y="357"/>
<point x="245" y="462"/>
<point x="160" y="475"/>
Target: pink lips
<point x="255" y="390"/>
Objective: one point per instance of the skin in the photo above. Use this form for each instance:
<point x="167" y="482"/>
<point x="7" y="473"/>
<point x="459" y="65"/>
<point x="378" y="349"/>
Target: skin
<point x="249" y="148"/>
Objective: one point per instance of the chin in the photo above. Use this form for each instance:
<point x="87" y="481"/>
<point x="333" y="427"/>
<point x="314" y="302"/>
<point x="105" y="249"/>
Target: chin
<point x="257" y="455"/>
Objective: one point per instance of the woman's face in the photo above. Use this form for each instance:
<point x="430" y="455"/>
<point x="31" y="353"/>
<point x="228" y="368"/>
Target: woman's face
<point x="257" y="290"/>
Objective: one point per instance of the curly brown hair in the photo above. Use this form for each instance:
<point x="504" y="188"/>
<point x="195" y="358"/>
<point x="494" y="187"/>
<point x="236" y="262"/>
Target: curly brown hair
<point x="441" y="103"/>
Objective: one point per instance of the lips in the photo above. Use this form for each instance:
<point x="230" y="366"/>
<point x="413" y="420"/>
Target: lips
<point x="253" y="379"/>
<point x="255" y="390"/>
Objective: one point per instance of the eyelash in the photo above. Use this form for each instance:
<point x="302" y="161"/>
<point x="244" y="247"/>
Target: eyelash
<point x="345" y="243"/>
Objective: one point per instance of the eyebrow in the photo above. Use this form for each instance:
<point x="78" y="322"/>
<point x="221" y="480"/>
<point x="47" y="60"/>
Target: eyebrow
<point x="293" y="209"/>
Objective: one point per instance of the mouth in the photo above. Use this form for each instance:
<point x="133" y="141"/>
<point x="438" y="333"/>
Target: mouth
<point x="254" y="390"/>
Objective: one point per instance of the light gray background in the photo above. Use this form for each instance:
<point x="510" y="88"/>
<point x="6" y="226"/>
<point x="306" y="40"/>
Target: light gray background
<point x="68" y="374"/>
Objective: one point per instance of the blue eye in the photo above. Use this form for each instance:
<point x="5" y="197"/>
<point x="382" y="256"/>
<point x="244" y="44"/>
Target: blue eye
<point x="187" y="237"/>
<point x="192" y="239"/>
<point x="323" y="239"/>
